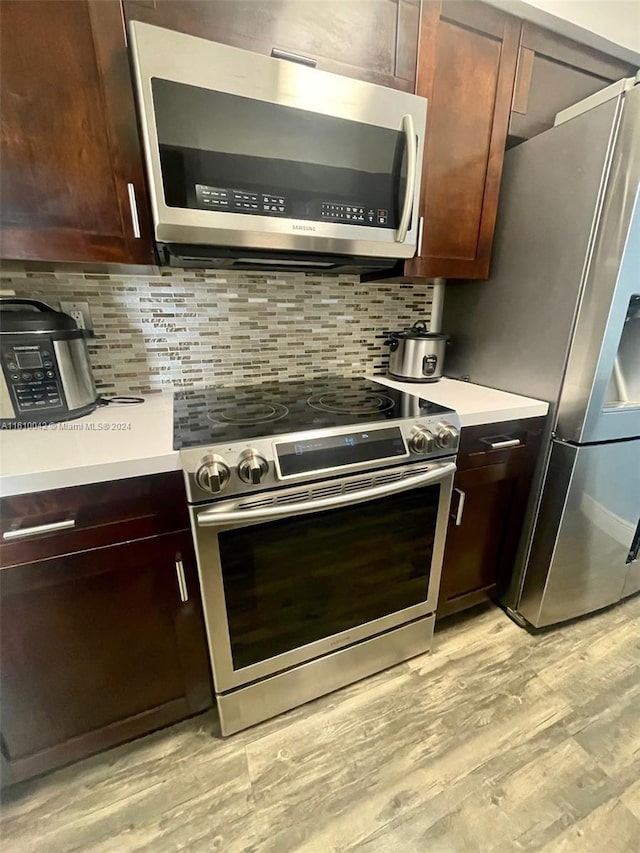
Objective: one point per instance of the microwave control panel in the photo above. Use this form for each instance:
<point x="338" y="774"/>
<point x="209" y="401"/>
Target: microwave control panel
<point x="240" y="201"/>
<point x="354" y="214"/>
<point x="265" y="204"/>
<point x="31" y="376"/>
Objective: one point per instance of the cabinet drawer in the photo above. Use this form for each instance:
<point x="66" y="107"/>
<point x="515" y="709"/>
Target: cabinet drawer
<point x="62" y="521"/>
<point x="498" y="443"/>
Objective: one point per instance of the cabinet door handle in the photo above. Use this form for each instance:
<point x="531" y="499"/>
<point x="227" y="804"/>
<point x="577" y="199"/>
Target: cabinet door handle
<point x="276" y="53"/>
<point x="182" y="581"/>
<point x="461" y="499"/>
<point x="134" y="210"/>
<point x="500" y="445"/>
<point x="524" y="72"/>
<point x="39" y="529"/>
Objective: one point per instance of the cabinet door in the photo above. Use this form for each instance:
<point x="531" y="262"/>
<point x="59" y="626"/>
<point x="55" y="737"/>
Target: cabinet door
<point x="496" y="464"/>
<point x="98" y="647"/>
<point x="373" y="40"/>
<point x="554" y="73"/>
<point x="466" y="68"/>
<point x="478" y="528"/>
<point x="71" y="165"/>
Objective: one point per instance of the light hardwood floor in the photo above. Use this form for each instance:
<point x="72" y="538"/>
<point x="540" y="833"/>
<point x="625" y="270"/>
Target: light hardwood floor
<point x="498" y="741"/>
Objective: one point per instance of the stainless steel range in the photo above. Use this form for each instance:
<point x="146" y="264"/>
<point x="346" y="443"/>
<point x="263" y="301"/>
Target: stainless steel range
<point x="319" y="511"/>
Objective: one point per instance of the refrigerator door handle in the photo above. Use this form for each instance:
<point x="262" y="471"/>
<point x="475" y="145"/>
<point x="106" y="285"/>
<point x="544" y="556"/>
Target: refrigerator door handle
<point x="635" y="546"/>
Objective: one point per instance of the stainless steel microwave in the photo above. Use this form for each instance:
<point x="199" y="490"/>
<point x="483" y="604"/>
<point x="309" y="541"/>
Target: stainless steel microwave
<point x="256" y="161"/>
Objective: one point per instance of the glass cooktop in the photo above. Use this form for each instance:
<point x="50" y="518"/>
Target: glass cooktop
<point x="219" y="415"/>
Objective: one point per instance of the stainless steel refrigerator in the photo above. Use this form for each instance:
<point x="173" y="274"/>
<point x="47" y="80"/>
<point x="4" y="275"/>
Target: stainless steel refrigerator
<point x="559" y="320"/>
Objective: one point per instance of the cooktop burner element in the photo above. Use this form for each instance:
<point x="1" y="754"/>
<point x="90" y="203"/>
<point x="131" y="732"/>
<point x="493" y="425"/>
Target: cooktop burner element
<point x="358" y="403"/>
<point x="249" y="413"/>
<point x="209" y="416"/>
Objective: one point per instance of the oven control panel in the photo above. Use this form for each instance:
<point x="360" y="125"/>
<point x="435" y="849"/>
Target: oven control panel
<point x="267" y="463"/>
<point x="330" y="452"/>
<point x="32" y="377"/>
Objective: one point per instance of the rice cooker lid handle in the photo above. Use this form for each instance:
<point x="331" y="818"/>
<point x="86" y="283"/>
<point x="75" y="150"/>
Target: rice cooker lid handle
<point x="419" y="328"/>
<point x="420" y="332"/>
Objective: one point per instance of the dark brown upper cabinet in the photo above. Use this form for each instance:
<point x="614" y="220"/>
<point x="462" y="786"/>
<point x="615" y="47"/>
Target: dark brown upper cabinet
<point x="553" y="73"/>
<point x="72" y="187"/>
<point x="373" y="40"/>
<point x="71" y="165"/>
<point x="466" y="68"/>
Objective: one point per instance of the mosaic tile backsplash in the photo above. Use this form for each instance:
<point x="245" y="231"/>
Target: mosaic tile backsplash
<point x="192" y="328"/>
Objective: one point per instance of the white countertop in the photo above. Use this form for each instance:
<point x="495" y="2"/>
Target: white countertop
<point x="119" y="441"/>
<point x="112" y="443"/>
<point x="474" y="403"/>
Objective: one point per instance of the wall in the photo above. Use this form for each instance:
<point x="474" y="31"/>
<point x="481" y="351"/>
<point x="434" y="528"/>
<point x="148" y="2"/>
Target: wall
<point x="200" y="327"/>
<point x="612" y="26"/>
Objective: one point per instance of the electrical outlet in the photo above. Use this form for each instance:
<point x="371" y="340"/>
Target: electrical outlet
<point x="80" y="313"/>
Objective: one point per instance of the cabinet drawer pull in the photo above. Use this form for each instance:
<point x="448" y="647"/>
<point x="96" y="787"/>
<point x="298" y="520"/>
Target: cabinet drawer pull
<point x="276" y="53"/>
<point x="182" y="581"/>
<point x="500" y="445"/>
<point x="134" y="211"/>
<point x="39" y="529"/>
<point x="461" y="499"/>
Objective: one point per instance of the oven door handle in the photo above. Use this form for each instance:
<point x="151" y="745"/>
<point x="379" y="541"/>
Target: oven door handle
<point x="214" y="517"/>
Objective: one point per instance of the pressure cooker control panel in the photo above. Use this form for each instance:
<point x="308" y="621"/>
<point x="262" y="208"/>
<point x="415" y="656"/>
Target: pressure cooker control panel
<point x="32" y="377"/>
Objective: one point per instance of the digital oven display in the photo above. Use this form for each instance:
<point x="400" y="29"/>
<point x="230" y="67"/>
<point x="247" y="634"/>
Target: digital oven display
<point x="317" y="454"/>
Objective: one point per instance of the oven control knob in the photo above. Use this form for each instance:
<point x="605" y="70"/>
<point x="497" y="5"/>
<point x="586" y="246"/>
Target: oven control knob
<point x="252" y="467"/>
<point x="213" y="475"/>
<point x="421" y="440"/>
<point x="447" y="437"/>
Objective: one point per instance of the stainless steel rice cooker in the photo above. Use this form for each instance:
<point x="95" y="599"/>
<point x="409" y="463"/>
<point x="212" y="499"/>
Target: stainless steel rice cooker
<point x="417" y="355"/>
<point x="46" y="375"/>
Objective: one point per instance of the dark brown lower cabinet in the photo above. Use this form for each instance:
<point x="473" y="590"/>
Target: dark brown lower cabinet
<point x="496" y="463"/>
<point x="98" y="647"/>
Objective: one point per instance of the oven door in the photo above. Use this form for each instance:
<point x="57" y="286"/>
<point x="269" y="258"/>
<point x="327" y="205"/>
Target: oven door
<point x="293" y="574"/>
<point x="247" y="151"/>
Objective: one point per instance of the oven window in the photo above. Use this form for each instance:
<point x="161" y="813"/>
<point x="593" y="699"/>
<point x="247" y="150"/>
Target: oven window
<point x="288" y="583"/>
<point x="233" y="154"/>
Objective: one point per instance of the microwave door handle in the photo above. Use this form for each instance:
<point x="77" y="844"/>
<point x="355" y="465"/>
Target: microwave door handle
<point x="235" y="515"/>
<point x="412" y="157"/>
